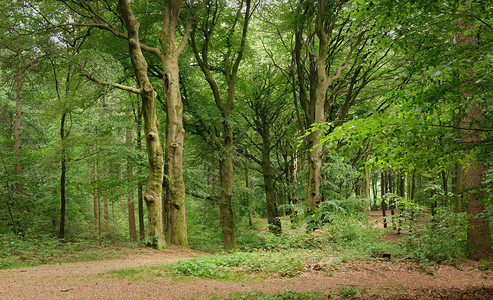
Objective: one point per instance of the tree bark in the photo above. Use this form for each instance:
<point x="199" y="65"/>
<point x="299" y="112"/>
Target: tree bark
<point x="248" y="185"/>
<point x="383" y="187"/>
<point x="176" y="231"/>
<point x="140" y="189"/>
<point x="320" y="83"/>
<point x="130" y="193"/>
<point x="224" y="141"/>
<point x="63" y="200"/>
<point x="226" y="176"/>
<point x="270" y="192"/>
<point x="18" y="122"/>
<point x="478" y="229"/>
<point x="458" y="178"/>
<point x="153" y="193"/>
<point x="106" y="212"/>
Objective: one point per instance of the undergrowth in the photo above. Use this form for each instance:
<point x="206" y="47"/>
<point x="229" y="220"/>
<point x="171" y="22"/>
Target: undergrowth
<point x="19" y="251"/>
<point x="286" y="295"/>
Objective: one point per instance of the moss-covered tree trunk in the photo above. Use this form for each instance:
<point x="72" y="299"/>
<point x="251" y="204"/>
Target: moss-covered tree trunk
<point x="175" y="209"/>
<point x="176" y="232"/>
<point x="320" y="82"/>
<point x="153" y="193"/>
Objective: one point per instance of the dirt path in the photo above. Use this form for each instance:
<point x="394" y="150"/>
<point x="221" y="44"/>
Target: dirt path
<point x="375" y="279"/>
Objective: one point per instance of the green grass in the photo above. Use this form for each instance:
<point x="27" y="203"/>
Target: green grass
<point x="240" y="266"/>
<point x="18" y="252"/>
<point x="286" y="295"/>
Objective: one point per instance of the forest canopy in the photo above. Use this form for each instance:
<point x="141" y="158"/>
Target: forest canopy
<point x="187" y="122"/>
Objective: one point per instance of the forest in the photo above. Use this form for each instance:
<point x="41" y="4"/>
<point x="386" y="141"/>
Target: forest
<point x="271" y="133"/>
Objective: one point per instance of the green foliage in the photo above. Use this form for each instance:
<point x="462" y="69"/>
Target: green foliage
<point x="204" y="232"/>
<point x="286" y="295"/>
<point x="34" y="249"/>
<point x="238" y="265"/>
<point x="348" y="292"/>
<point x="440" y="239"/>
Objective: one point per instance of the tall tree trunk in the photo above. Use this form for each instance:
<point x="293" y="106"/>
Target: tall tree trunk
<point x="478" y="229"/>
<point x="176" y="232"/>
<point x="63" y="200"/>
<point x="320" y="83"/>
<point x="18" y="123"/>
<point x="96" y="206"/>
<point x="458" y="186"/>
<point x="130" y="194"/>
<point x="95" y="192"/>
<point x="368" y="185"/>
<point x="444" y="182"/>
<point x="140" y="189"/>
<point x="248" y="185"/>
<point x="153" y="194"/>
<point x="224" y="140"/>
<point x="383" y="188"/>
<point x="106" y="212"/>
<point x="270" y="192"/>
<point x="226" y="177"/>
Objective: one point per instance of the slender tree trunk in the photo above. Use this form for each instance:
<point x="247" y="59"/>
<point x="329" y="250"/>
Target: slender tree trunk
<point x="106" y="213"/>
<point x="9" y="199"/>
<point x="413" y="186"/>
<point x="140" y="189"/>
<point x="458" y="186"/>
<point x="368" y="185"/>
<point x="444" y="182"/>
<point x="227" y="183"/>
<point x="270" y="192"/>
<point x="63" y="200"/>
<point x="18" y="123"/>
<point x="402" y="195"/>
<point x="383" y="187"/>
<point x="248" y="185"/>
<point x="130" y="200"/>
<point x="95" y="192"/>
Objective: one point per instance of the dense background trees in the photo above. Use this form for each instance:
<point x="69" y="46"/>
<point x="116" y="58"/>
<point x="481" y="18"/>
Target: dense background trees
<point x="300" y="109"/>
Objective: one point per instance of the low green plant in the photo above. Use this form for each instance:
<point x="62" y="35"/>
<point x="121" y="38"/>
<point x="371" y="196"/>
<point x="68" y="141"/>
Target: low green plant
<point x="237" y="265"/>
<point x="286" y="295"/>
<point x="34" y="249"/>
<point x="441" y="239"/>
<point x="348" y="292"/>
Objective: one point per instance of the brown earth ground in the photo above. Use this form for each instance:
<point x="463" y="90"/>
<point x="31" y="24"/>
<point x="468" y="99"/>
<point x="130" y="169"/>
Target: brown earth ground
<point x="370" y="279"/>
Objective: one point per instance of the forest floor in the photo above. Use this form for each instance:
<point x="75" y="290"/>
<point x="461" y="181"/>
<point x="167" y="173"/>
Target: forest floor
<point x="366" y="279"/>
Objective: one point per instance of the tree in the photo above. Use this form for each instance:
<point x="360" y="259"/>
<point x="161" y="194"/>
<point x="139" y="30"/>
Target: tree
<point x="478" y="229"/>
<point x="267" y="117"/>
<point x="167" y="54"/>
<point x="232" y="55"/>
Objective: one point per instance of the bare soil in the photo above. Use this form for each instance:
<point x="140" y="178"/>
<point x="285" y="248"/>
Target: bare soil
<point x="370" y="279"/>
